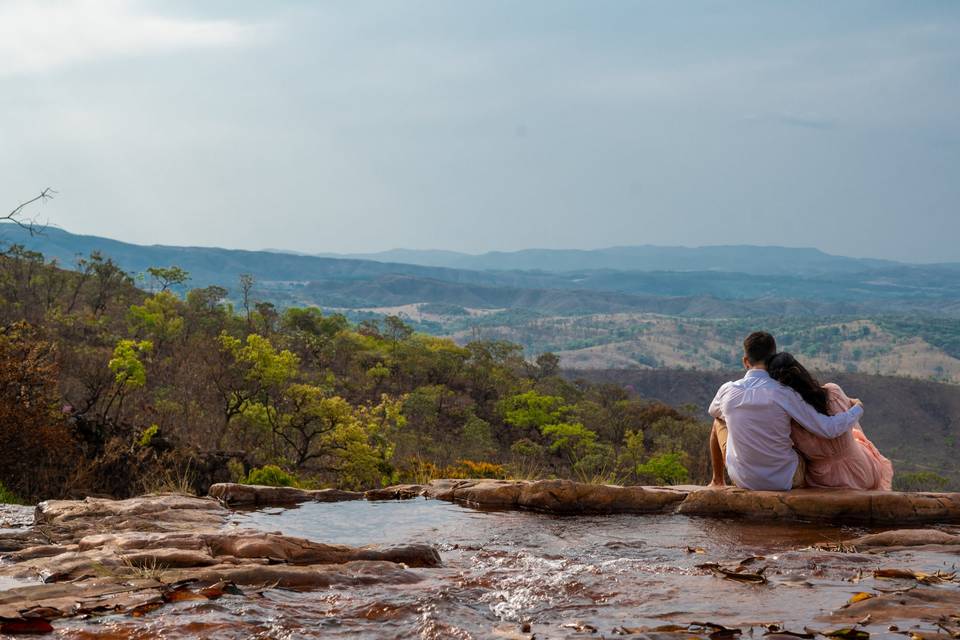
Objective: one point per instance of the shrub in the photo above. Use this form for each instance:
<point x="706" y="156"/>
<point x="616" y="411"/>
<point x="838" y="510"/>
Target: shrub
<point x="475" y="469"/>
<point x="666" y="468"/>
<point x="271" y="475"/>
<point x="147" y="436"/>
<point x="920" y="481"/>
<point x="9" y="497"/>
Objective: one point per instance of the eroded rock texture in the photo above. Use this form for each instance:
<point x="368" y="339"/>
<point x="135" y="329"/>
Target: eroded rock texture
<point x="99" y="555"/>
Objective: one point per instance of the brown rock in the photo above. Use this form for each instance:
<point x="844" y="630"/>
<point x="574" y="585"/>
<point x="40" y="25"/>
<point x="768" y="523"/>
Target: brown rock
<point x="356" y="573"/>
<point x="825" y="505"/>
<point x="905" y="538"/>
<point x="568" y="497"/>
<point x="555" y="496"/>
<point x="395" y="492"/>
<point x="257" y="495"/>
<point x="107" y="556"/>
<point x="564" y="496"/>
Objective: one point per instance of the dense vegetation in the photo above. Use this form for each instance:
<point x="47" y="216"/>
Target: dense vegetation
<point x="108" y="388"/>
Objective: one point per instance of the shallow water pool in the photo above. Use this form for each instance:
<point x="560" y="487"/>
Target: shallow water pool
<point x="586" y="576"/>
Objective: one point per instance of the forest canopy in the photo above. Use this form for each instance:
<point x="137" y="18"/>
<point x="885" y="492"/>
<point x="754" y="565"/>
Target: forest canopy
<point x="113" y="384"/>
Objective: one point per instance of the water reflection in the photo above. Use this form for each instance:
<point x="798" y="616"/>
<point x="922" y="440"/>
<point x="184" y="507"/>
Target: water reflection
<point x="504" y="569"/>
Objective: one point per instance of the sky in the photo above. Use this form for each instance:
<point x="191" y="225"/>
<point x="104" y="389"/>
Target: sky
<point x="361" y="125"/>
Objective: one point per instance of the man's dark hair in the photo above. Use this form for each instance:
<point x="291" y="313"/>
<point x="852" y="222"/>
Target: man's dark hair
<point x="759" y="347"/>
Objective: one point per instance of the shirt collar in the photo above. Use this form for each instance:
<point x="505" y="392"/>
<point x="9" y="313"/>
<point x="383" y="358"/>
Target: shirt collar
<point x="756" y="373"/>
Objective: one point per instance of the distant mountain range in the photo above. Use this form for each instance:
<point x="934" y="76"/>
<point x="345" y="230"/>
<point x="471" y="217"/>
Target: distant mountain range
<point x="762" y="260"/>
<point x="706" y="281"/>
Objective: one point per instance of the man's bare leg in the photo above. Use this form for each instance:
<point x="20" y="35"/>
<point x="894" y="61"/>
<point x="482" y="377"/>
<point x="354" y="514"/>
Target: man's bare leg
<point x="716" y="459"/>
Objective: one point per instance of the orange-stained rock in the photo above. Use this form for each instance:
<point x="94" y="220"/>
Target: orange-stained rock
<point x="876" y="507"/>
<point x="117" y="555"/>
<point x="359" y="572"/>
<point x="395" y="492"/>
<point x="905" y="538"/>
<point x="257" y="495"/>
<point x="568" y="497"/>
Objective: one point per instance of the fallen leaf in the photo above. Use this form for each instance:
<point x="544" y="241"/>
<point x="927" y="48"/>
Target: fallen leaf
<point x="220" y="589"/>
<point x="895" y="574"/>
<point x="753" y="577"/>
<point x="860" y="597"/>
<point x="717" y="631"/>
<point x="144" y="609"/>
<point x="182" y="595"/>
<point x="923" y="578"/>
<point x="848" y="633"/>
<point x="785" y="632"/>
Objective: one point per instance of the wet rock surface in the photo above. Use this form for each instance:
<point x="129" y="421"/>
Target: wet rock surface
<point x="567" y="497"/>
<point x="119" y="556"/>
<point x="630" y="564"/>
<point x="575" y="498"/>
<point x="257" y="495"/>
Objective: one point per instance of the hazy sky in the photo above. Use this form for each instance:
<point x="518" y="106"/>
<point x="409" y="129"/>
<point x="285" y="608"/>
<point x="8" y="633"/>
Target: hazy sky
<point x="485" y="125"/>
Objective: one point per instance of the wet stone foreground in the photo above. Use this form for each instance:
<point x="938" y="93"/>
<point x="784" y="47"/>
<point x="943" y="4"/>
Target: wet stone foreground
<point x="482" y="559"/>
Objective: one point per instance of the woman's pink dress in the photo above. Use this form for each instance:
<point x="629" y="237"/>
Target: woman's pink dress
<point x="848" y="462"/>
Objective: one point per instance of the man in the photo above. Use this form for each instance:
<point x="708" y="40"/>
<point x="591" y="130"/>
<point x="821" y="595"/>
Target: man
<point x="751" y="428"/>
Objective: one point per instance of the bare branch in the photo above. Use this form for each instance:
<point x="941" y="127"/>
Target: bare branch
<point x="29" y="224"/>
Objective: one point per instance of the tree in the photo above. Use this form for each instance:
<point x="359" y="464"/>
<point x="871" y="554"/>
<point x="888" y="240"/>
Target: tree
<point x="37" y="451"/>
<point x="532" y="411"/>
<point x="396" y="329"/>
<point x="247" y="370"/>
<point x="665" y="469"/>
<point x="548" y="364"/>
<point x="246" y="287"/>
<point x="158" y="319"/>
<point x="167" y="277"/>
<point x="129" y="370"/>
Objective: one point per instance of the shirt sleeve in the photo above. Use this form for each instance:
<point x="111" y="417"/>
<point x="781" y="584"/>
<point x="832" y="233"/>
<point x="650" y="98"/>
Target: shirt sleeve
<point x="812" y="420"/>
<point x="714" y="409"/>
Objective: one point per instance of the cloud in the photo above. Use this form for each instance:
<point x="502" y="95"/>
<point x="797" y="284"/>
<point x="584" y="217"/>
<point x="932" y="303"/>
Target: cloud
<point x="37" y="36"/>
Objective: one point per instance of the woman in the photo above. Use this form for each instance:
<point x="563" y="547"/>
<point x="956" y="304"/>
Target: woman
<point x="848" y="462"/>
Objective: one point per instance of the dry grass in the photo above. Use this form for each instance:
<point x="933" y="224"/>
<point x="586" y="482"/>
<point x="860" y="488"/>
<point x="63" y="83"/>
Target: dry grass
<point x="179" y="480"/>
<point x="146" y="569"/>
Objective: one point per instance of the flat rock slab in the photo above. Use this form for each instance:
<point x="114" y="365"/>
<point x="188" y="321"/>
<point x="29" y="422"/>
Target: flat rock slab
<point x="125" y="556"/>
<point x="568" y="497"/>
<point x="571" y="498"/>
<point x="258" y="495"/>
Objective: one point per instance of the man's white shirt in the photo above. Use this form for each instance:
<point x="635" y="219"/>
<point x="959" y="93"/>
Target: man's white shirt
<point x="757" y="410"/>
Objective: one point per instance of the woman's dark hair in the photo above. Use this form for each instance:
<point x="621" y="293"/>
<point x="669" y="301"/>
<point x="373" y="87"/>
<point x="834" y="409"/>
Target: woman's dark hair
<point x="785" y="369"/>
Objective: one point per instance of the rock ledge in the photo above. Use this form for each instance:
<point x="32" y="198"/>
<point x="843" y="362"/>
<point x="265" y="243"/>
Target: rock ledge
<point x="571" y="498"/>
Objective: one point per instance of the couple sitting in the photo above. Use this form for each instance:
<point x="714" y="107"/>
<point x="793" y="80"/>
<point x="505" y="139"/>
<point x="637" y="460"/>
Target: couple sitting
<point x="779" y="429"/>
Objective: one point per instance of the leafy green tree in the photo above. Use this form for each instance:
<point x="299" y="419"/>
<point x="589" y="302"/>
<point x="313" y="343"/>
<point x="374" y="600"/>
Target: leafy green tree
<point x="570" y="439"/>
<point x="533" y="411"/>
<point x="127" y="363"/>
<point x="157" y="319"/>
<point x="664" y="469"/>
<point x="168" y="277"/>
<point x="248" y="370"/>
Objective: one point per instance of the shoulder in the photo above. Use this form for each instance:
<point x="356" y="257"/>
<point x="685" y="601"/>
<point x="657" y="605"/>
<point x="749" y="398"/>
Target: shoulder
<point x="834" y="390"/>
<point x="837" y="397"/>
<point x="725" y="386"/>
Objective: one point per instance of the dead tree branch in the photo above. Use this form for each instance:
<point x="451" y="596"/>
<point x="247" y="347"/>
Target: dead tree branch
<point x="30" y="225"/>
